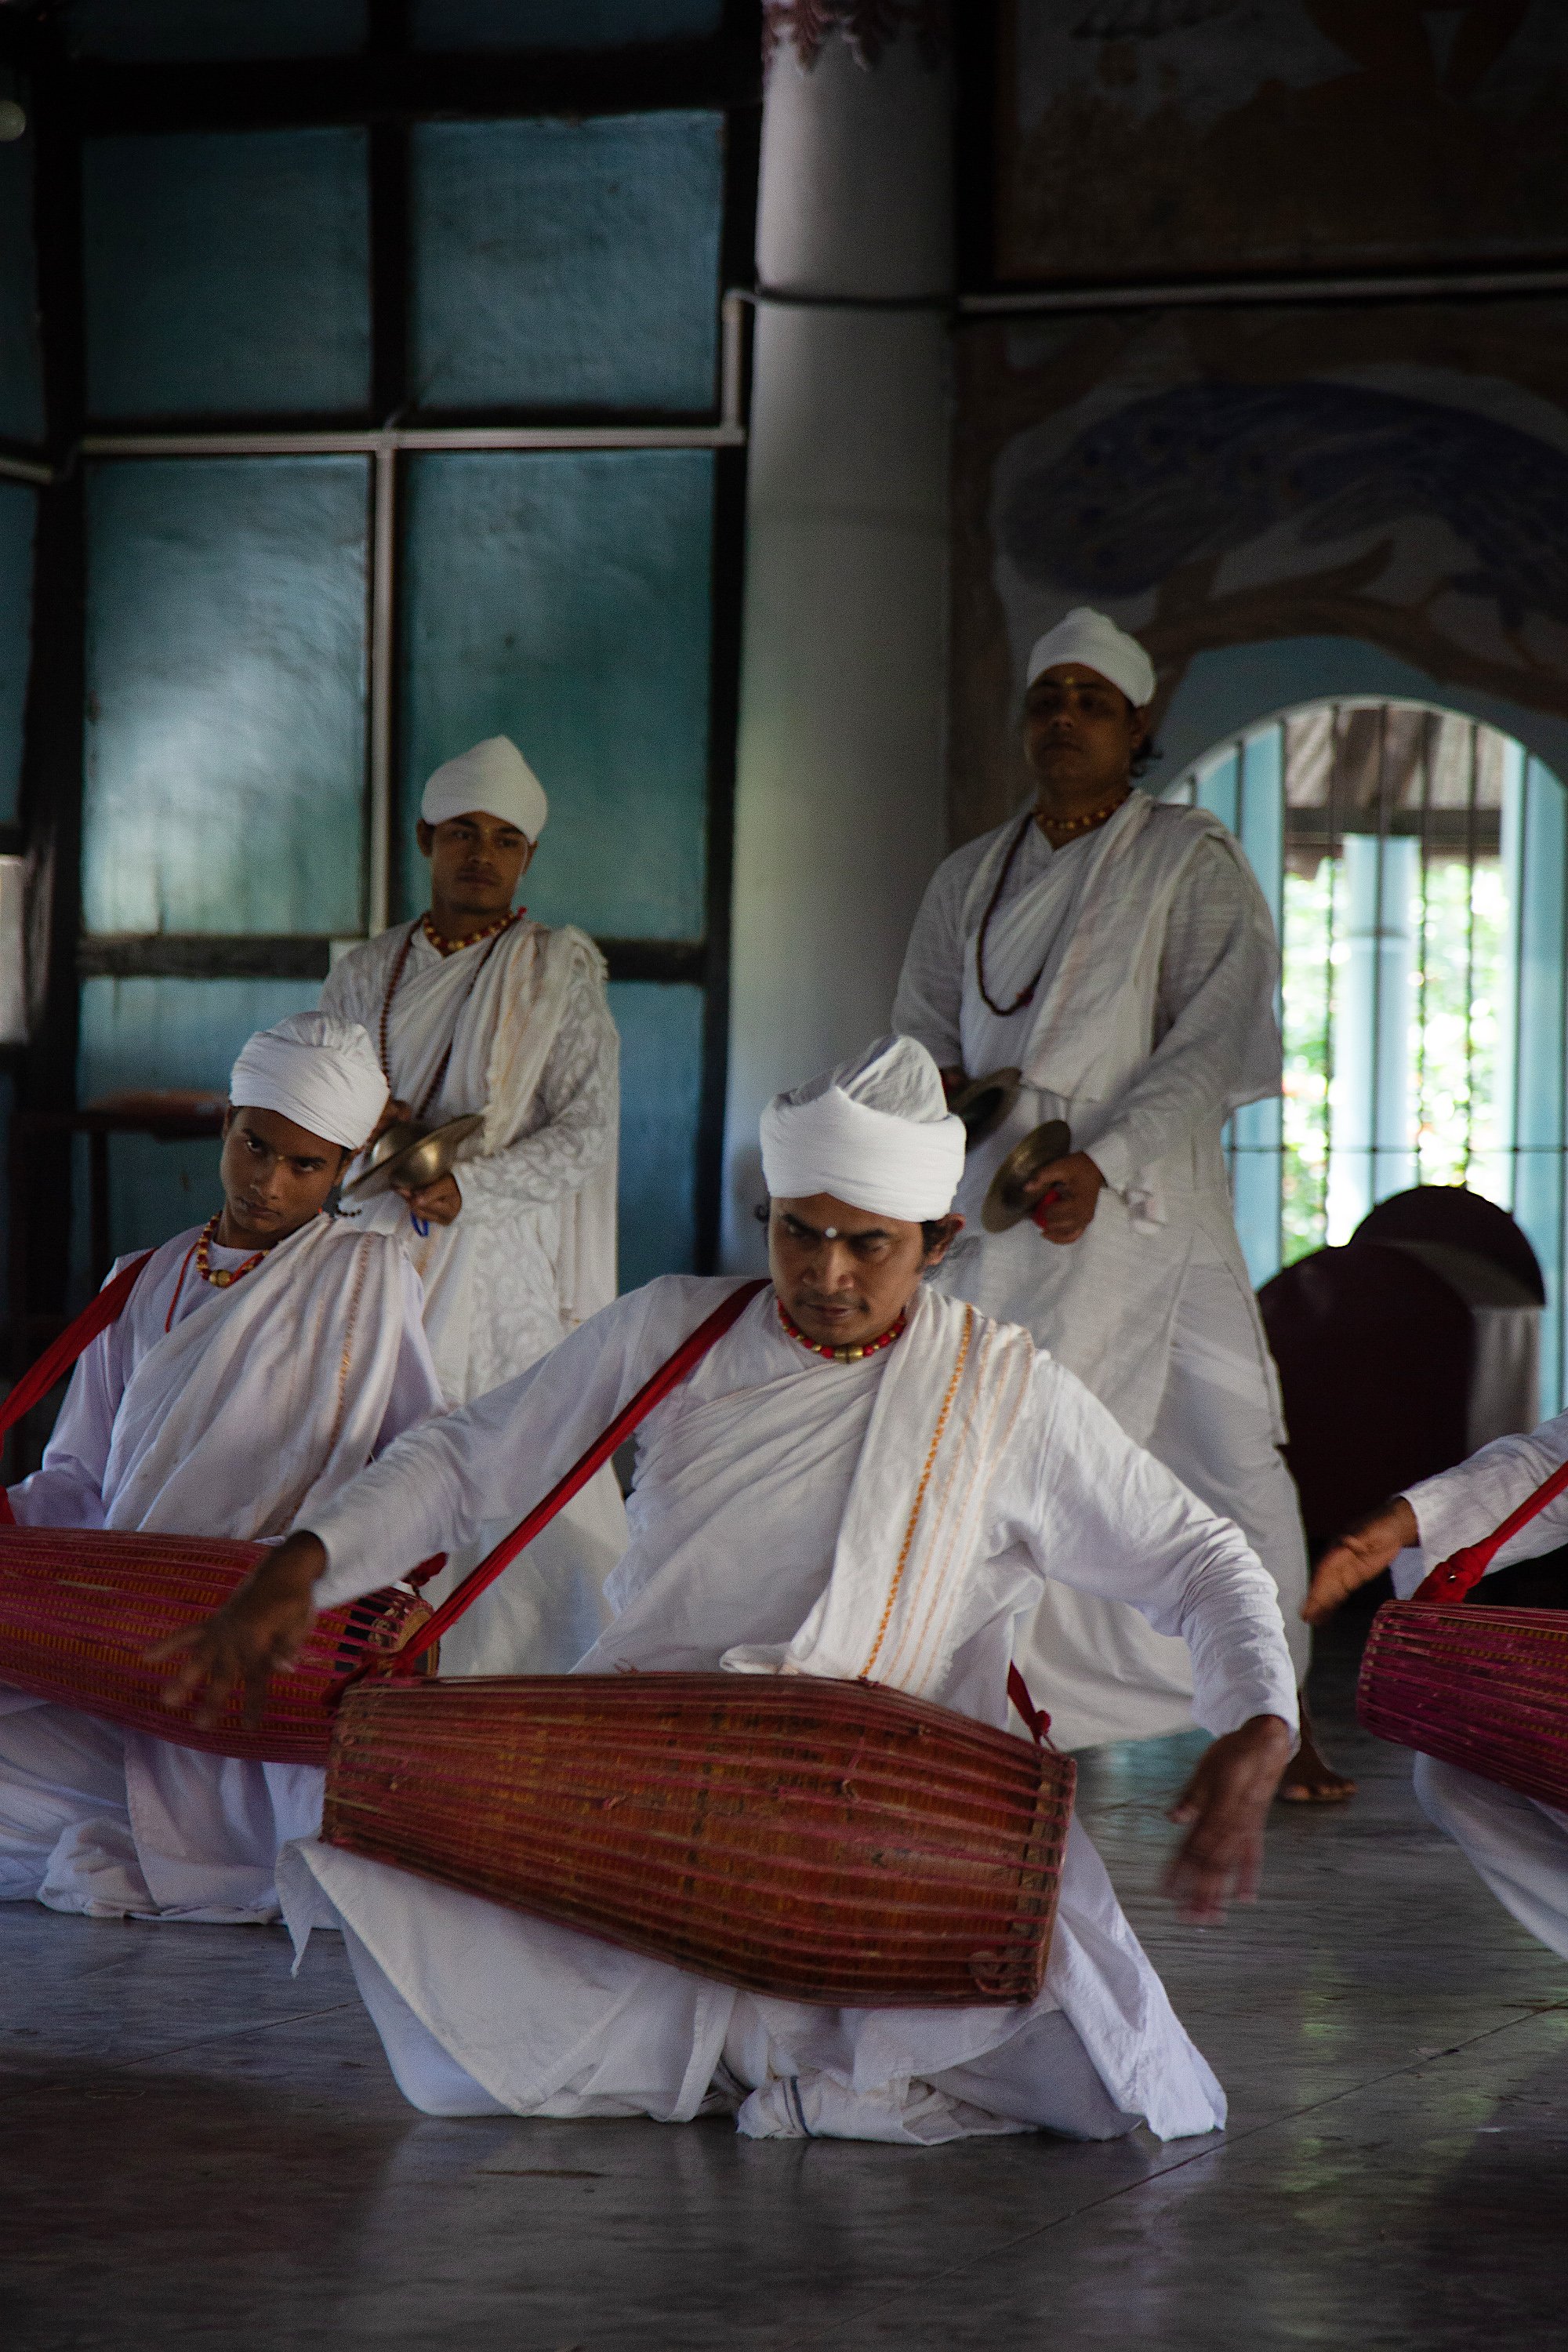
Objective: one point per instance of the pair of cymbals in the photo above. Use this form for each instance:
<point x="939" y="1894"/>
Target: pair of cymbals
<point x="410" y="1157"/>
<point x="1012" y="1194"/>
<point x="984" y="1102"/>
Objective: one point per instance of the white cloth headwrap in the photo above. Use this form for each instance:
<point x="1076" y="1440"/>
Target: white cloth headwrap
<point x="318" y="1070"/>
<point x="876" y="1133"/>
<point x="1087" y="636"/>
<point x="494" y="776"/>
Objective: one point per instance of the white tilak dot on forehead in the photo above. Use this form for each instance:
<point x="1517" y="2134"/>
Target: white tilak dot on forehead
<point x="830" y="1233"/>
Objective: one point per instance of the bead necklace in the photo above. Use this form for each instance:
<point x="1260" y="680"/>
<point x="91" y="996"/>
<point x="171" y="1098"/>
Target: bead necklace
<point x="221" y="1276"/>
<point x="1072" y="824"/>
<point x="446" y="947"/>
<point x="443" y="947"/>
<point x="839" y="1355"/>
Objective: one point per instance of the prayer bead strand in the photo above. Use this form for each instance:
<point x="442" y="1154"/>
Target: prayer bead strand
<point x="839" y="1355"/>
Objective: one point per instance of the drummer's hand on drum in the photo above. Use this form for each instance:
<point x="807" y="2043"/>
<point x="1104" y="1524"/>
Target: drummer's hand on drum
<point x="1065" y="1192"/>
<point x="1360" y="1555"/>
<point x="1226" y="1803"/>
<point x="256" y="1635"/>
<point x="437" y="1203"/>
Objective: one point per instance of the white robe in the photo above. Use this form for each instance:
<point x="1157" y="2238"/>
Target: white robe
<point x="1151" y="1021"/>
<point x="203" y="1412"/>
<point x="748" y="1494"/>
<point x="1518" y="1845"/>
<point x="531" y="1253"/>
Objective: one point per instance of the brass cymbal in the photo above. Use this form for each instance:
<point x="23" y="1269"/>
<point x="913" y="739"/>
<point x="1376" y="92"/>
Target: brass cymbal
<point x="412" y="1156"/>
<point x="984" y="1102"/>
<point x="1008" y="1202"/>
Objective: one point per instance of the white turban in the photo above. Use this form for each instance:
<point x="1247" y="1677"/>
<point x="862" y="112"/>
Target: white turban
<point x="876" y="1133"/>
<point x="318" y="1070"/>
<point x="1087" y="636"/>
<point x="495" y="777"/>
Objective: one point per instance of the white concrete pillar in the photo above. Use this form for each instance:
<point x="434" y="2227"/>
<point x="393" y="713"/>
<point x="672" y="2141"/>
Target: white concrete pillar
<point x="1372" y="1142"/>
<point x="840" y="786"/>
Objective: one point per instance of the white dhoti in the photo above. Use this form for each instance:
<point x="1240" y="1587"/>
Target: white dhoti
<point x="885" y="1519"/>
<point x="201" y="1412"/>
<point x="516" y="1026"/>
<point x="1152" y="962"/>
<point x="1519" y="1846"/>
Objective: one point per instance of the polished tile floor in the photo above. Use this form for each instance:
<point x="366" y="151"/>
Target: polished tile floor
<point x="197" y="2149"/>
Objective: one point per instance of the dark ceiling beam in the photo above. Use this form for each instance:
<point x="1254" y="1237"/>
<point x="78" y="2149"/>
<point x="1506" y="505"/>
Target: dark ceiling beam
<point x="386" y="86"/>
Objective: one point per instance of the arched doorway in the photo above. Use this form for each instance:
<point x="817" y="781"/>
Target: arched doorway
<point x="1417" y="864"/>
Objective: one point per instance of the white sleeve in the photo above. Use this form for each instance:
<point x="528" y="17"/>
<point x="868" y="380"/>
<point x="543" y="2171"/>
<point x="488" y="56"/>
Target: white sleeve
<point x="929" y="998"/>
<point x="1461" y="1506"/>
<point x="1102" y="1515"/>
<point x="436" y="1487"/>
<point x="1217" y="973"/>
<point x="580" y="1093"/>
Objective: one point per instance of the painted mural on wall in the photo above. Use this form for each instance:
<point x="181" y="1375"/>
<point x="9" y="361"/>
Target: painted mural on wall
<point x="1142" y="139"/>
<point x="1394" y="476"/>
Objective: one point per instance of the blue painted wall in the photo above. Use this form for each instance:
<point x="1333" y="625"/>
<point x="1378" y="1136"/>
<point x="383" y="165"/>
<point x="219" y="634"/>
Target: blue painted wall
<point x="216" y="28"/>
<point x="228" y="273"/>
<point x="225" y="716"/>
<point x="558" y="24"/>
<point x="564" y="601"/>
<point x="18" y="510"/>
<point x="567" y="264"/>
<point x="21" y="382"/>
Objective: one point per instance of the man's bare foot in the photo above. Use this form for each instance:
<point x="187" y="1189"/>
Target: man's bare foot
<point x="1310" y="1778"/>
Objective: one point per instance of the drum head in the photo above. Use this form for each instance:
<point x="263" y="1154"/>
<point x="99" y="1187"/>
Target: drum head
<point x="1009" y="1202"/>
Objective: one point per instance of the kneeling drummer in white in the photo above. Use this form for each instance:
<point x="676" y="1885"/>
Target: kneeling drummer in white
<point x="258" y="1362"/>
<point x="862" y="1478"/>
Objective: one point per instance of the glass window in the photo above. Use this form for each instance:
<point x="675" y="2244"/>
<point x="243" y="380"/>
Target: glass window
<point x="226" y="677"/>
<point x="559" y="24"/>
<point x="18" y="508"/>
<point x="661" y="1081"/>
<point x="562" y="265"/>
<point x="165" y="1032"/>
<point x="21" y="385"/>
<point x="216" y="28"/>
<point x="563" y="600"/>
<point x="228" y="273"/>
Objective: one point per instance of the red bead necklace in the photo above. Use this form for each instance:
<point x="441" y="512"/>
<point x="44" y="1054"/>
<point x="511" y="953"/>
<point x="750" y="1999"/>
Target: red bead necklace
<point x="841" y="1355"/>
<point x="1067" y="825"/>
<point x="221" y="1278"/>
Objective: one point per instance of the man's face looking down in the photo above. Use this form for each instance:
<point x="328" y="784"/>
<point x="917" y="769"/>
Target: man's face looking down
<point x="275" y="1177"/>
<point x="476" y="864"/>
<point x="844" y="1275"/>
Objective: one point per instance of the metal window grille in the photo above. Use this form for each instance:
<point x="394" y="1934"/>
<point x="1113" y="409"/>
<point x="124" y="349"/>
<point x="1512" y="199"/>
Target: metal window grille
<point x="1416" y="866"/>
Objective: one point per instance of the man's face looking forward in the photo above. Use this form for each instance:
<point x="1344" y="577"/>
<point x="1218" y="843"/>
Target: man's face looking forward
<point x="844" y="1275"/>
<point x="476" y="864"/>
<point x="1081" y="735"/>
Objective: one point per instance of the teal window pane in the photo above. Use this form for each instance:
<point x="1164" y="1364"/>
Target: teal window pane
<point x="18" y="508"/>
<point x="225" y="677"/>
<point x="564" y="265"/>
<point x="559" y="24"/>
<point x="165" y="1032"/>
<point x="21" y="382"/>
<point x="228" y="273"/>
<point x="216" y="28"/>
<point x="563" y="600"/>
<point x="661" y="1084"/>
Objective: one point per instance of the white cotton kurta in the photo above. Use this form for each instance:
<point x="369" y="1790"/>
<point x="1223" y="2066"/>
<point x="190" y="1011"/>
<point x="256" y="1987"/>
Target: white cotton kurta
<point x="201" y="1412"/>
<point x="1153" y="1020"/>
<point x="531" y="1253"/>
<point x="1519" y="1846"/>
<point x="745" y="1478"/>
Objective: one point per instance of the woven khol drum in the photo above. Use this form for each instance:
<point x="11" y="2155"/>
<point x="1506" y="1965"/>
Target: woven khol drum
<point x="1486" y="1688"/>
<point x="820" y="1841"/>
<point x="79" y="1607"/>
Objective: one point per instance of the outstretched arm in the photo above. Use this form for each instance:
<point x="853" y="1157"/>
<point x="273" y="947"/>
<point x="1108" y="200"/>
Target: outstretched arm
<point x="1361" y="1553"/>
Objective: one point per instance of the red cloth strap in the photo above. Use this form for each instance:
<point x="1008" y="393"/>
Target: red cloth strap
<point x="57" y="1360"/>
<point x="1037" y="1720"/>
<point x="668" y="1376"/>
<point x="1454" y="1577"/>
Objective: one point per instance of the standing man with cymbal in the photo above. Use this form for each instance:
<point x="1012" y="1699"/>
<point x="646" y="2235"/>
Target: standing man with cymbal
<point x="475" y="1008"/>
<point x="1119" y="952"/>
